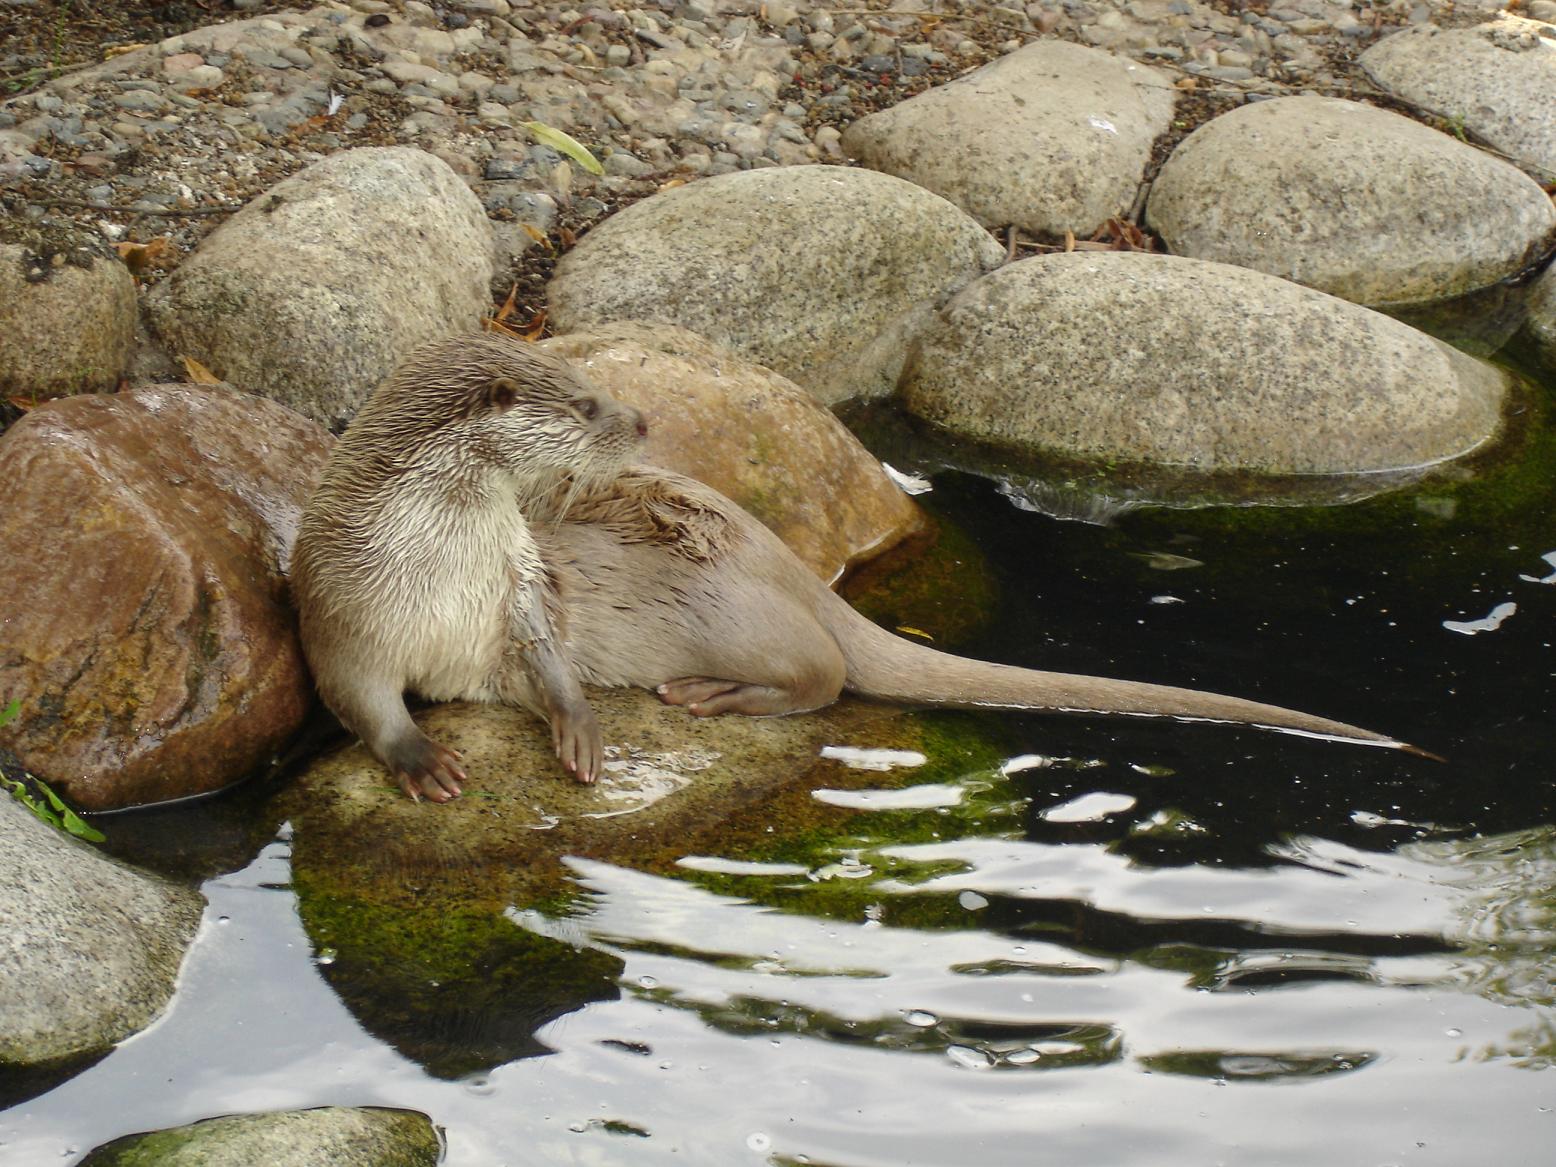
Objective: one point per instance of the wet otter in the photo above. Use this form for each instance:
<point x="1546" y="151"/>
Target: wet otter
<point x="414" y="568"/>
<point x="610" y="575"/>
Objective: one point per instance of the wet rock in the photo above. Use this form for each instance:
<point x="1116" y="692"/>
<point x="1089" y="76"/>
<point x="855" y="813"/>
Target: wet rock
<point x="754" y="435"/>
<point x="1353" y="200"/>
<point x="1488" y="78"/>
<point x="148" y="636"/>
<point x="418" y="902"/>
<point x="821" y="273"/>
<point x="338" y="1135"/>
<point x="89" y="948"/>
<point x="1159" y="359"/>
<point x="67" y="311"/>
<point x="315" y="290"/>
<point x="1053" y="137"/>
<point x="1542" y="315"/>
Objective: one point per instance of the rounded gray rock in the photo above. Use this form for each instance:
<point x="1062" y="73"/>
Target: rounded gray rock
<point x="89" y="948"/>
<point x="1179" y="362"/>
<point x="1053" y="137"/>
<point x="1349" y="199"/>
<point x="1497" y="79"/>
<point x="314" y="291"/>
<point x="67" y="312"/>
<point x="822" y="273"/>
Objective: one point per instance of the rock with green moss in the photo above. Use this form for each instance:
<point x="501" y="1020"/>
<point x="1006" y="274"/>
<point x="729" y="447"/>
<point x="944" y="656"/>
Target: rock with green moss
<point x="338" y="1135"/>
<point x="415" y="903"/>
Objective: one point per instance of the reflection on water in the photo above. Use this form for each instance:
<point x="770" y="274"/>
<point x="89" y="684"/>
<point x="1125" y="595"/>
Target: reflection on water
<point x="1126" y="944"/>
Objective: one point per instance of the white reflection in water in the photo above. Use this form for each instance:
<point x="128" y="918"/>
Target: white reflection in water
<point x="1489" y="623"/>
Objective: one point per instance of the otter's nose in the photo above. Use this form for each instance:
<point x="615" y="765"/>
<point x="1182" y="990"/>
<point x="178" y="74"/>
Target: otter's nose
<point x="642" y="427"/>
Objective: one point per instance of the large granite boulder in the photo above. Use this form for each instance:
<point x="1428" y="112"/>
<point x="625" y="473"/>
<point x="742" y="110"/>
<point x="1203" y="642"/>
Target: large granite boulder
<point x="315" y="290"/>
<point x="752" y="434"/>
<point x="1163" y="360"/>
<point x="1497" y="80"/>
<point x="148" y="636"/>
<point x="820" y="272"/>
<point x="67" y="311"/>
<point x="1052" y="137"/>
<point x="89" y="949"/>
<point x="1349" y="199"/>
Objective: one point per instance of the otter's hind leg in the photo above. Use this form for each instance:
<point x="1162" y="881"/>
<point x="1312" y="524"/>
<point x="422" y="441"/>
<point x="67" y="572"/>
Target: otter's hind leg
<point x="784" y="662"/>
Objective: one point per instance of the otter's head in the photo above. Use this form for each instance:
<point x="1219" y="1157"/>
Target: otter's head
<point x="500" y="404"/>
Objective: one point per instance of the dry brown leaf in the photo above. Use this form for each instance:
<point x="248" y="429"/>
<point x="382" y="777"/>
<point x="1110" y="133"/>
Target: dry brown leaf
<point x="507" y="305"/>
<point x="142" y="257"/>
<point x="567" y="237"/>
<point x="113" y="51"/>
<point x="537" y="235"/>
<point x="198" y="373"/>
<point x="1069" y="240"/>
<point x="671" y="183"/>
<point x="536" y="326"/>
<point x="492" y="324"/>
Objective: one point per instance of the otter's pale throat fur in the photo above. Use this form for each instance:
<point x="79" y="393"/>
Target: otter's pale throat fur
<point x="416" y="571"/>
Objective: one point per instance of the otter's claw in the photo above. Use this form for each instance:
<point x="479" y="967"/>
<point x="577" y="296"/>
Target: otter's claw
<point x="576" y="737"/>
<point x="428" y="770"/>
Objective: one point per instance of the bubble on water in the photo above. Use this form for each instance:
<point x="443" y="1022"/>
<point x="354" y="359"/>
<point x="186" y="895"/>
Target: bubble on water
<point x="324" y="956"/>
<point x="759" y="1141"/>
<point x="224" y="919"/>
<point x="968" y="1057"/>
<point x="1023" y="1057"/>
<point x="578" y="1128"/>
<point x="921" y="1018"/>
<point x="972" y="901"/>
<point x="480" y="1085"/>
<point x="1454" y="1031"/>
<point x="647" y="982"/>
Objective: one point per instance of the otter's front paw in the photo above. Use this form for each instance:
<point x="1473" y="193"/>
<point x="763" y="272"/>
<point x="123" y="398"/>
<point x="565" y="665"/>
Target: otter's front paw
<point x="576" y="736"/>
<point x="425" y="769"/>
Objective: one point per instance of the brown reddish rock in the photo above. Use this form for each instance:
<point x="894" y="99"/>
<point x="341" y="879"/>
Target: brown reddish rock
<point x="147" y="635"/>
<point x="753" y="434"/>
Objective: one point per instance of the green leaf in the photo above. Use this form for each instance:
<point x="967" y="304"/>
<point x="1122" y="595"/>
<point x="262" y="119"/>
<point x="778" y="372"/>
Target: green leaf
<point x="564" y="144"/>
<point x="69" y="819"/>
<point x="8" y="714"/>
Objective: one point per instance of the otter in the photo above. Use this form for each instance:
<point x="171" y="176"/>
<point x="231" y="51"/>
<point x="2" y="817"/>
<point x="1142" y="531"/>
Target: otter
<point x="481" y="533"/>
<point x="414" y="569"/>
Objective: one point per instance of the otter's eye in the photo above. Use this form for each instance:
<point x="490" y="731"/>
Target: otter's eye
<point x="586" y="408"/>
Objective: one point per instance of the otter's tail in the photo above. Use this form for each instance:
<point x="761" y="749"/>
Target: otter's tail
<point x="888" y="667"/>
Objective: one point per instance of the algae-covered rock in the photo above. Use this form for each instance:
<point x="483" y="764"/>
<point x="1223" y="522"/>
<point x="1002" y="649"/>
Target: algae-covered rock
<point x="413" y="900"/>
<point x="337" y="1135"/>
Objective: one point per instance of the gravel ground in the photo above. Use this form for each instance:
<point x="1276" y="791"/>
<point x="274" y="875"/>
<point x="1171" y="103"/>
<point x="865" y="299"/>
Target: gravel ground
<point x="156" y="145"/>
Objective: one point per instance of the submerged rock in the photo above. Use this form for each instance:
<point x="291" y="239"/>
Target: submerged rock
<point x="820" y="272"/>
<point x="340" y="1136"/>
<point x="67" y="312"/>
<point x="754" y="435"/>
<point x="89" y="948"/>
<point x="1158" y="359"/>
<point x="314" y="291"/>
<point x="1349" y="199"/>
<point x="1497" y="80"/>
<point x="1054" y="137"/>
<point x="149" y="639"/>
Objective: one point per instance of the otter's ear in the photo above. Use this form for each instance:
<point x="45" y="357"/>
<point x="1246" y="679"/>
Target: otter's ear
<point x="502" y="393"/>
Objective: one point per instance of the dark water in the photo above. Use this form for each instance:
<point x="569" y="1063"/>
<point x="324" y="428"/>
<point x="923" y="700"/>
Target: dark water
<point x="1136" y="944"/>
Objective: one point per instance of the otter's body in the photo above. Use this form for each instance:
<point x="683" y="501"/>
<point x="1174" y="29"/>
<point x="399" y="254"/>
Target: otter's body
<point x="478" y="535"/>
<point x="671" y="586"/>
<point x="414" y="568"/>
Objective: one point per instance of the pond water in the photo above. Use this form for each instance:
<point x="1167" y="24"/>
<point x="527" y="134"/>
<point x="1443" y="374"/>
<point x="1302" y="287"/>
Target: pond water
<point x="1117" y="942"/>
